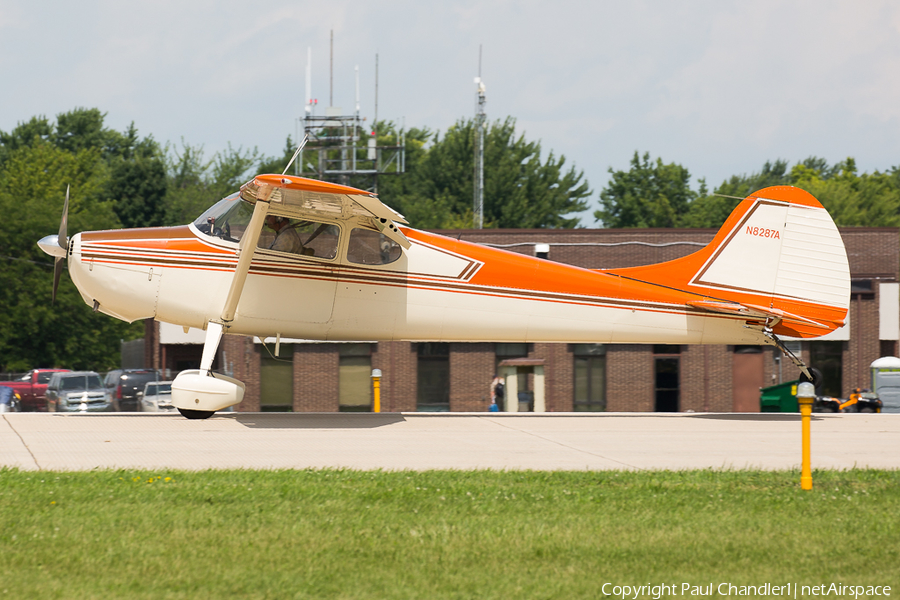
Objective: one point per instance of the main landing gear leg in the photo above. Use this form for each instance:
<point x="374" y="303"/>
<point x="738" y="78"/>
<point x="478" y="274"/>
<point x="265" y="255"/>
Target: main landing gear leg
<point x="199" y="393"/>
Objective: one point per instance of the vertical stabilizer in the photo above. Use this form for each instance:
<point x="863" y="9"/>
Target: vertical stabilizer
<point x="780" y="252"/>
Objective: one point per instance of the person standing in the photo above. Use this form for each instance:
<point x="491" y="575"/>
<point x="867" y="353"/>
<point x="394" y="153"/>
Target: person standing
<point x="498" y="388"/>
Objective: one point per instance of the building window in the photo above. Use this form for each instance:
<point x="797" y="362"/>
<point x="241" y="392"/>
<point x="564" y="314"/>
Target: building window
<point x="354" y="378"/>
<point x="590" y="377"/>
<point x="510" y="350"/>
<point x="666" y="377"/>
<point x="276" y="380"/>
<point x="862" y="289"/>
<point x="738" y="349"/>
<point x="433" y="381"/>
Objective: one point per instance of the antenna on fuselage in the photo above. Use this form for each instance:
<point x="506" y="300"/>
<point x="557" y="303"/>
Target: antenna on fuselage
<point x="296" y="152"/>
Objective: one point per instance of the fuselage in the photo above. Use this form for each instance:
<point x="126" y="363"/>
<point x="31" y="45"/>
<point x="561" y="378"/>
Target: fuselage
<point x="439" y="289"/>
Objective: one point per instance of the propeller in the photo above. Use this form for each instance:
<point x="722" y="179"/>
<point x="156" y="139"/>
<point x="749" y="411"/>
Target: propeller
<point x="57" y="246"/>
<point x="63" y="241"/>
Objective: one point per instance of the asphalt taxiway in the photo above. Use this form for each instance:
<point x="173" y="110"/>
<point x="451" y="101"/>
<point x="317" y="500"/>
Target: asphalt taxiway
<point x="419" y="441"/>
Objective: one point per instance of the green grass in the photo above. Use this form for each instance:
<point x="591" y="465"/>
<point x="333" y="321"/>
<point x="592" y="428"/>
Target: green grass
<point x="439" y="534"/>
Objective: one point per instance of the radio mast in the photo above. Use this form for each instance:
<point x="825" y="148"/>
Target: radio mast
<point x="480" y="119"/>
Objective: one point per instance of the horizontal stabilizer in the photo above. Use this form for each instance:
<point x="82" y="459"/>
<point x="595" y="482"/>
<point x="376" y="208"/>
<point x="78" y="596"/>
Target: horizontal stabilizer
<point x="753" y="311"/>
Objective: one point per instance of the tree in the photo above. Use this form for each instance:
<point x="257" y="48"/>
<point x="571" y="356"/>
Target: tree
<point x="25" y="134"/>
<point x="137" y="183"/>
<point x="115" y="177"/>
<point x="195" y="184"/>
<point x="277" y="164"/>
<point x="520" y="189"/>
<point x="649" y="194"/>
<point x="33" y="332"/>
<point x="853" y="200"/>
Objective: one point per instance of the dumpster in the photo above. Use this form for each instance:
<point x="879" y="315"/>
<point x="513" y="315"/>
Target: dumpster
<point x="779" y="398"/>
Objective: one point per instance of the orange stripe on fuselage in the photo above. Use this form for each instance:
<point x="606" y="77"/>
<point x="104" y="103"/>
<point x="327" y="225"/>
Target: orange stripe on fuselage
<point x="504" y="269"/>
<point x="178" y="239"/>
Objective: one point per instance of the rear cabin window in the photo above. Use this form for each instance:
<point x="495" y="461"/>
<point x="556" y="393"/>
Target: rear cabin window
<point x="367" y="247"/>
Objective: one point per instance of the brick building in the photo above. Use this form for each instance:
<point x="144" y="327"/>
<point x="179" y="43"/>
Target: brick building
<point x="312" y="376"/>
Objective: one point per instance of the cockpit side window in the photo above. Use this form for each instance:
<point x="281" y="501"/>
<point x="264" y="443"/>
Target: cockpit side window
<point x="367" y="247"/>
<point x="294" y="236"/>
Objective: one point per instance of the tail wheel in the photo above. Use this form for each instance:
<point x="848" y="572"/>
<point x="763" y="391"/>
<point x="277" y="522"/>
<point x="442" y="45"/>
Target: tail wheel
<point x="196" y="414"/>
<point x="816" y="379"/>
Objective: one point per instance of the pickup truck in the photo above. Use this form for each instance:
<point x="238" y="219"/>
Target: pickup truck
<point x="32" y="388"/>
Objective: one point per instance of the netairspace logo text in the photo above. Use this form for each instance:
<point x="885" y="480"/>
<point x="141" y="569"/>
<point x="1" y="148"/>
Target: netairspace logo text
<point x="785" y="590"/>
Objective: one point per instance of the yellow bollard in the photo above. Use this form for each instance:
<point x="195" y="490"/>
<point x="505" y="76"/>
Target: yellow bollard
<point x="376" y="390"/>
<point x="806" y="393"/>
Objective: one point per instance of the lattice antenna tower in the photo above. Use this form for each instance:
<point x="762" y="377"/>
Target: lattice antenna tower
<point x="334" y="152"/>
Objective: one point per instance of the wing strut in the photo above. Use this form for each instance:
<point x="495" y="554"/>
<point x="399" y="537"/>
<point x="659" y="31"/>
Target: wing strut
<point x="198" y="393"/>
<point x="215" y="329"/>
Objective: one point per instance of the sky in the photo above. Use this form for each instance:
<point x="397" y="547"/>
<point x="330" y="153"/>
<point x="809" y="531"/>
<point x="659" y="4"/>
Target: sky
<point x="719" y="87"/>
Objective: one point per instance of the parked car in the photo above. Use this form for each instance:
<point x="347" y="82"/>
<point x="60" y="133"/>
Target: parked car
<point x="32" y="388"/>
<point x="124" y="387"/>
<point x="157" y="397"/>
<point x="77" y="391"/>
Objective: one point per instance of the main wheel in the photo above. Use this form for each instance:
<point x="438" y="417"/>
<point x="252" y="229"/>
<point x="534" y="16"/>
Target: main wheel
<point x="196" y="414"/>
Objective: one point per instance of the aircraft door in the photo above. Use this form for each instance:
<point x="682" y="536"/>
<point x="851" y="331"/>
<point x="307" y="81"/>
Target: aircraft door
<point x="292" y="278"/>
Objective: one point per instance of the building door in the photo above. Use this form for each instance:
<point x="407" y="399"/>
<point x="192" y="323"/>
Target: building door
<point x="827" y="357"/>
<point x="667" y="377"/>
<point x="747" y="377"/>
<point x="590" y="378"/>
<point x="276" y="381"/>
<point x="433" y="377"/>
<point x="355" y="378"/>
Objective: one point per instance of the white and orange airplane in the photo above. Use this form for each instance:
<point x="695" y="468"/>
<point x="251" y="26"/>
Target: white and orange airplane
<point x="300" y="258"/>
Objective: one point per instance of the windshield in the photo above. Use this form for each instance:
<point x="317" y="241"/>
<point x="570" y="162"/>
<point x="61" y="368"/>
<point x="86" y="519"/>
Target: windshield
<point x="226" y="219"/>
<point x="80" y="382"/>
<point x="155" y="389"/>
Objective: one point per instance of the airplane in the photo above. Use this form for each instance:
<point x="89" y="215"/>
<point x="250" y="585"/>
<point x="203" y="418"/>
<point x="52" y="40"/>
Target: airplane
<point x="292" y="257"/>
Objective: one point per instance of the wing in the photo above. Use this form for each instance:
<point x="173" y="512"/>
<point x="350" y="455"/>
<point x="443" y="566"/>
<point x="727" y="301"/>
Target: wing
<point x="310" y="197"/>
